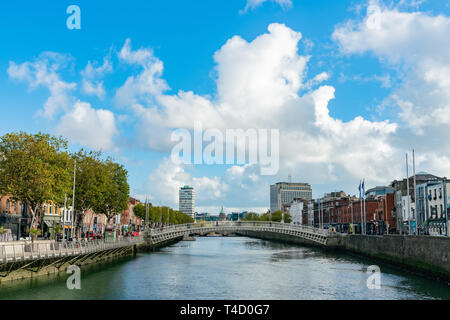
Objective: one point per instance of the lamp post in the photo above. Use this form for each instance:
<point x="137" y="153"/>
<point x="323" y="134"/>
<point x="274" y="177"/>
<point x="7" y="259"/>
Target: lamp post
<point x="351" y="208"/>
<point x="64" y="217"/>
<point x="73" y="195"/>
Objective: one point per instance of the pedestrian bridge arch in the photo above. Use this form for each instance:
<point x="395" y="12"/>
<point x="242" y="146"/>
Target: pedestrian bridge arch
<point x="307" y="233"/>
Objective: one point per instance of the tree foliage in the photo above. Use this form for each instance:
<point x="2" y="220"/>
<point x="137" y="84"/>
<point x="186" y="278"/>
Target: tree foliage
<point x="275" y="217"/>
<point x="116" y="193"/>
<point x="168" y="215"/>
<point x="90" y="183"/>
<point x="33" y="169"/>
<point x="139" y="211"/>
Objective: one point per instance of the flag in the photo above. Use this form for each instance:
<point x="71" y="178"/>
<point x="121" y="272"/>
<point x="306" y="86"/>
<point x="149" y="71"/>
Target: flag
<point x="363" y="189"/>
<point x="359" y="188"/>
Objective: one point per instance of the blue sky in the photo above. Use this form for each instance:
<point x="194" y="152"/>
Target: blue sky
<point x="373" y="73"/>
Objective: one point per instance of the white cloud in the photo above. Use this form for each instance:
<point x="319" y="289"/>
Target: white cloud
<point x="42" y="72"/>
<point x="165" y="181"/>
<point x="416" y="46"/>
<point x="258" y="85"/>
<point x="90" y="84"/>
<point x="88" y="126"/>
<point x="148" y="83"/>
<point x="79" y="122"/>
<point x="90" y="88"/>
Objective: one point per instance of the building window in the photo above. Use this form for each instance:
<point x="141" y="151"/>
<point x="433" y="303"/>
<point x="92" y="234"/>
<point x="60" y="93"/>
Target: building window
<point x="7" y="205"/>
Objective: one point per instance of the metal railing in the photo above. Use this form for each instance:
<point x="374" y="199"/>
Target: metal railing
<point x="239" y="225"/>
<point x="28" y="250"/>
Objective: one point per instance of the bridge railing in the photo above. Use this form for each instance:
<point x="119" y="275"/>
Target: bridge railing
<point x="244" y="224"/>
<point x="29" y="250"/>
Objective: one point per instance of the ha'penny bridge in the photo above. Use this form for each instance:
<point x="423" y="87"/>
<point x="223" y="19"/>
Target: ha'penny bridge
<point x="25" y="259"/>
<point x="247" y="228"/>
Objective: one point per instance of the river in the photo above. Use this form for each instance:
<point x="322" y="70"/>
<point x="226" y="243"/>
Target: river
<point x="232" y="268"/>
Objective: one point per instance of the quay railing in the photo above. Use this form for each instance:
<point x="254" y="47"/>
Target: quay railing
<point x="32" y="250"/>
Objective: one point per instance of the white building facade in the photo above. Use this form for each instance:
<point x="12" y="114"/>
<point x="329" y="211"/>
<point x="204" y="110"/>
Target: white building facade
<point x="437" y="208"/>
<point x="296" y="211"/>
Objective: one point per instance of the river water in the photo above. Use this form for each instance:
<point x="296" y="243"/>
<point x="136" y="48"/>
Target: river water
<point x="232" y="268"/>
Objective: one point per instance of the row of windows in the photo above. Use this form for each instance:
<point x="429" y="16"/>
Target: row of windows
<point x="435" y="195"/>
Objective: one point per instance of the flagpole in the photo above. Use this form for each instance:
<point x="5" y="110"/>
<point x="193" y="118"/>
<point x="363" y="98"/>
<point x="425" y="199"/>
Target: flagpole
<point x="416" y="217"/>
<point x="321" y="214"/>
<point x="360" y="206"/>
<point x="408" y="196"/>
<point x="364" y="200"/>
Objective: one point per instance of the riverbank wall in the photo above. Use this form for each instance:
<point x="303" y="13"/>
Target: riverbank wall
<point x="424" y="255"/>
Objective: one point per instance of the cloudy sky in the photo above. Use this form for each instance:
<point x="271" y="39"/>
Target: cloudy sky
<point x="350" y="85"/>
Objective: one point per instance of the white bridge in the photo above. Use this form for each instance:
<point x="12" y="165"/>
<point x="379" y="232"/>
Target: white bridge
<point x="318" y="236"/>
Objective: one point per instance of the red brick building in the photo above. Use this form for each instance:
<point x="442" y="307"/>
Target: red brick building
<point x="128" y="219"/>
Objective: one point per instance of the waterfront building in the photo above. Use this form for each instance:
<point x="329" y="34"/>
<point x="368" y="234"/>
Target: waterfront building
<point x="186" y="201"/>
<point x="128" y="220"/>
<point x="66" y="220"/>
<point x="202" y="216"/>
<point x="433" y="207"/>
<point x="299" y="211"/>
<point x="407" y="214"/>
<point x="282" y="194"/>
<point x="51" y="217"/>
<point x="310" y="213"/>
<point x="379" y="191"/>
<point x="236" y="216"/>
<point x="370" y="219"/>
<point x="12" y="216"/>
<point x="400" y="189"/>
<point x="383" y="218"/>
<point x="384" y="212"/>
<point x="222" y="215"/>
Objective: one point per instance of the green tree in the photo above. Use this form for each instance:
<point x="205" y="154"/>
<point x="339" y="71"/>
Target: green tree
<point x="166" y="214"/>
<point x="91" y="184"/>
<point x="58" y="230"/>
<point x="265" y="217"/>
<point x="139" y="211"/>
<point x="252" y="217"/>
<point x="34" y="168"/>
<point x="287" y="218"/>
<point x="34" y="233"/>
<point x="276" y="216"/>
<point x="117" y="191"/>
